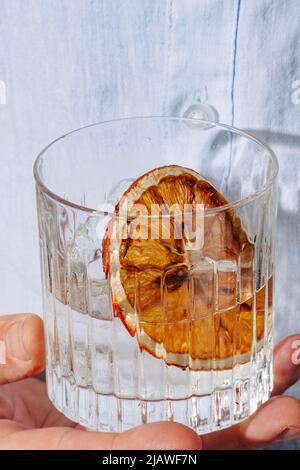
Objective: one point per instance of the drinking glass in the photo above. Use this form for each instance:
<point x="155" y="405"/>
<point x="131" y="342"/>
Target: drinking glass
<point x="211" y="366"/>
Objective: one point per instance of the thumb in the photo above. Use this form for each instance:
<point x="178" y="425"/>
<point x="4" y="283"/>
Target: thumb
<point x="21" y="347"/>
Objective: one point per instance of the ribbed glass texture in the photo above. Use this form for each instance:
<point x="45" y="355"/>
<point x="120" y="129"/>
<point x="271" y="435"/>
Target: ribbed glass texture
<point x="100" y="375"/>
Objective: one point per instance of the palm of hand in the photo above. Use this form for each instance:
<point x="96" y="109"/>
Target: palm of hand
<point x="28" y="420"/>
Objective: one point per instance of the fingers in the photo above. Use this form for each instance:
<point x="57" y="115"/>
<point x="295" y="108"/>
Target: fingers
<point x="286" y="363"/>
<point x="278" y="419"/>
<point x="151" y="436"/>
<point x="23" y="339"/>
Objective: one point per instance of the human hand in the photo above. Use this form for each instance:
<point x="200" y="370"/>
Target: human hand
<point x="28" y="420"/>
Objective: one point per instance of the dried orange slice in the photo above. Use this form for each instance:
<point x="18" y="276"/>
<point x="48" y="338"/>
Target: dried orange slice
<point x="193" y="308"/>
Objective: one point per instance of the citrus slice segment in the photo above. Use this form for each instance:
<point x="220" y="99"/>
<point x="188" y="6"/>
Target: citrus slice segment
<point x="191" y="307"/>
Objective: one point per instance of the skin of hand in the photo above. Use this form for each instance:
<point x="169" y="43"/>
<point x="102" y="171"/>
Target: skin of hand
<point x="28" y="420"/>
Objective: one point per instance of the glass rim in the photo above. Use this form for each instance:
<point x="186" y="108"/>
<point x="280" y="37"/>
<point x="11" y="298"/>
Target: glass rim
<point x="192" y="121"/>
